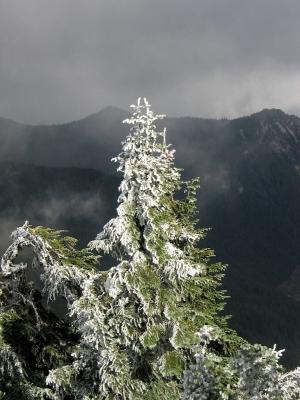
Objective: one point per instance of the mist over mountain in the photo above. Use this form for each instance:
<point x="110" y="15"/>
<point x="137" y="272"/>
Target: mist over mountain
<point x="87" y="143"/>
<point x="72" y="199"/>
<point x="61" y="176"/>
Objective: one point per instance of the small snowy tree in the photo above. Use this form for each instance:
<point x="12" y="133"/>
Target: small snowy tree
<point x="252" y="373"/>
<point x="143" y="315"/>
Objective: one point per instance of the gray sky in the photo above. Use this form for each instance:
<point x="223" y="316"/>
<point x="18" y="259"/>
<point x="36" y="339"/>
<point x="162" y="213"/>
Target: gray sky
<point x="61" y="60"/>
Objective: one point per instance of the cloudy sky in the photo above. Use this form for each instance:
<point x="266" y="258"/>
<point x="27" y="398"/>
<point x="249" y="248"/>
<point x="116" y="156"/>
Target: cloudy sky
<point x="61" y="60"/>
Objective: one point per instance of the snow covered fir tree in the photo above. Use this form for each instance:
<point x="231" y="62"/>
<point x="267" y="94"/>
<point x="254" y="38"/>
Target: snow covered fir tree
<point x="151" y="327"/>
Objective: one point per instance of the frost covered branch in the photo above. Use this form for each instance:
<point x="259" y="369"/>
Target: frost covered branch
<point x="60" y="277"/>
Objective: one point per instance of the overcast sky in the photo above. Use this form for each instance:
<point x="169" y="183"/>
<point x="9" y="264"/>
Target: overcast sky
<point x="61" y="60"/>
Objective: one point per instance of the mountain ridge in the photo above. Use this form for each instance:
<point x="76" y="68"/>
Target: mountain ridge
<point x="102" y="132"/>
<point x="120" y="110"/>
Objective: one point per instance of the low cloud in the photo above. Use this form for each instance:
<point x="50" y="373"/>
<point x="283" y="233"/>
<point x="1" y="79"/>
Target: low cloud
<point x="63" y="59"/>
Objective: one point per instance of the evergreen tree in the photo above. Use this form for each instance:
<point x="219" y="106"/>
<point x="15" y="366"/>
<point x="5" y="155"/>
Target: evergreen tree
<point x="34" y="341"/>
<point x="144" y="314"/>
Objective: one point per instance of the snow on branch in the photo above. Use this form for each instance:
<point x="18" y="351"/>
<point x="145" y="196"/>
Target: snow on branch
<point x="59" y="276"/>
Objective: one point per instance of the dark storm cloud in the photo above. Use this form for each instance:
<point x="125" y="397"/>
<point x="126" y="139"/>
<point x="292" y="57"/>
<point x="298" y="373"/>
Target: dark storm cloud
<point x="63" y="59"/>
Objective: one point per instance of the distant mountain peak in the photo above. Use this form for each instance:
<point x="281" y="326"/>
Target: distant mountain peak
<point x="270" y="113"/>
<point x="110" y="109"/>
<point x="108" y="112"/>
